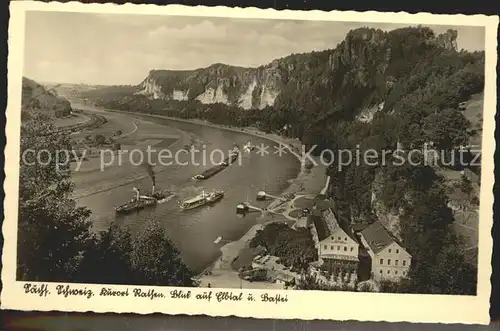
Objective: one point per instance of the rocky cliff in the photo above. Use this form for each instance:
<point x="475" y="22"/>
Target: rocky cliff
<point x="366" y="58"/>
<point x="219" y="83"/>
<point x="37" y="96"/>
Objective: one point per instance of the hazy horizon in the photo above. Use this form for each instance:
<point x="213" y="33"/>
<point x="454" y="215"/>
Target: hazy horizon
<point x="120" y="49"/>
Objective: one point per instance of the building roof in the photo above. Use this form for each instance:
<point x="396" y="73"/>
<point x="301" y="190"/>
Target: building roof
<point x="378" y="237"/>
<point x="320" y="226"/>
<point x="325" y="226"/>
<point x="323" y="204"/>
<point x="358" y="227"/>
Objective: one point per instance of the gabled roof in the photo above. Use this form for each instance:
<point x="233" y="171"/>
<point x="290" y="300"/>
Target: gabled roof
<point x="358" y="227"/>
<point x="321" y="227"/>
<point x="378" y="237"/>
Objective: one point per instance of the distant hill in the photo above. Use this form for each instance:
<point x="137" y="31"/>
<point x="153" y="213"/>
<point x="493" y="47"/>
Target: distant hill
<point x="35" y="95"/>
<point x="368" y="60"/>
<point x="409" y="73"/>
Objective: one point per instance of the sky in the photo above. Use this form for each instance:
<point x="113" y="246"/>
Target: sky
<point x="118" y="49"/>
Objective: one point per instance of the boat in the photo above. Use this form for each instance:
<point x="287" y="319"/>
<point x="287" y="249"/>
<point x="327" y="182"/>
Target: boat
<point x="232" y="156"/>
<point x="249" y="147"/>
<point x="218" y="167"/>
<point x="261" y="196"/>
<point x="137" y="203"/>
<point x="201" y="200"/>
<point x="242" y="208"/>
<point x="163" y="195"/>
<point x="194" y="202"/>
<point x="210" y="172"/>
<point x="215" y="196"/>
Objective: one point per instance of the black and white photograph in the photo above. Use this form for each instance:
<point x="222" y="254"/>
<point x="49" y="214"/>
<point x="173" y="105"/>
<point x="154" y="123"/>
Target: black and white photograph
<point x="233" y="159"/>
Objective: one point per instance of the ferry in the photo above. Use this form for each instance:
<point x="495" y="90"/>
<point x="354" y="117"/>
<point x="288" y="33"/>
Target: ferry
<point x="137" y="203"/>
<point x="201" y="200"/>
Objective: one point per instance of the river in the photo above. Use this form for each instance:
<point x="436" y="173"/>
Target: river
<point x="194" y="231"/>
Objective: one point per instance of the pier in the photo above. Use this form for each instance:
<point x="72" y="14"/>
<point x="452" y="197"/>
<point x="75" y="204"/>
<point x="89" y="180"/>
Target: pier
<point x="262" y="195"/>
<point x="246" y="207"/>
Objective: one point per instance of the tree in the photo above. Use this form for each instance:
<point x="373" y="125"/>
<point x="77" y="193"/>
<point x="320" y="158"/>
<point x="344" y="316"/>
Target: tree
<point x="52" y="230"/>
<point x="451" y="272"/>
<point x="447" y="128"/>
<point x="155" y="260"/>
<point x="107" y="258"/>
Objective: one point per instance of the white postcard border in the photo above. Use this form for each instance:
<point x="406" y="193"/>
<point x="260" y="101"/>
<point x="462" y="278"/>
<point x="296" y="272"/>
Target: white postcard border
<point x="301" y="304"/>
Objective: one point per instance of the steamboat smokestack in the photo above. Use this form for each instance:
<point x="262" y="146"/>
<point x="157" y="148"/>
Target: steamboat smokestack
<point x="138" y="193"/>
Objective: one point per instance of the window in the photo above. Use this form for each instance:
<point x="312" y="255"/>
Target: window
<point x="345" y="238"/>
<point x="389" y="262"/>
<point x="396" y="272"/>
<point x="397" y="262"/>
<point x="338" y="247"/>
<point x="397" y="251"/>
<point x="388" y="272"/>
<point x="352" y="248"/>
<point x="404" y="262"/>
<point x="404" y="273"/>
<point x="381" y="261"/>
<point x="339" y="238"/>
<point x="326" y="247"/>
<point x="380" y="271"/>
<point x="389" y="250"/>
<point x="332" y="248"/>
<point x="345" y="249"/>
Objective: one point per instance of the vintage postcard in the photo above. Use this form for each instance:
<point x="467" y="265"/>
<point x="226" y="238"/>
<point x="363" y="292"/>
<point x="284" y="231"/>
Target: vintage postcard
<point x="256" y="163"/>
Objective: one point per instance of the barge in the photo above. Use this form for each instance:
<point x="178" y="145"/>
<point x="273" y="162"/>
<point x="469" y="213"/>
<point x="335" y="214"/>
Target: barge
<point x="217" y="168"/>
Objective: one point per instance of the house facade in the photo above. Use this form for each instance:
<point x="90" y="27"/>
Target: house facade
<point x="389" y="259"/>
<point x="339" y="244"/>
<point x="336" y="243"/>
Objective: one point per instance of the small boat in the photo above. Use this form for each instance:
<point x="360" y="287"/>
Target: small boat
<point x="261" y="196"/>
<point x="248" y="147"/>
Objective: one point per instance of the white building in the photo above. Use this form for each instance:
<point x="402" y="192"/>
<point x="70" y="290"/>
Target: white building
<point x="336" y="241"/>
<point x="389" y="259"/>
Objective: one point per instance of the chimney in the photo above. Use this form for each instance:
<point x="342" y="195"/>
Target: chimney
<point x="138" y="193"/>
